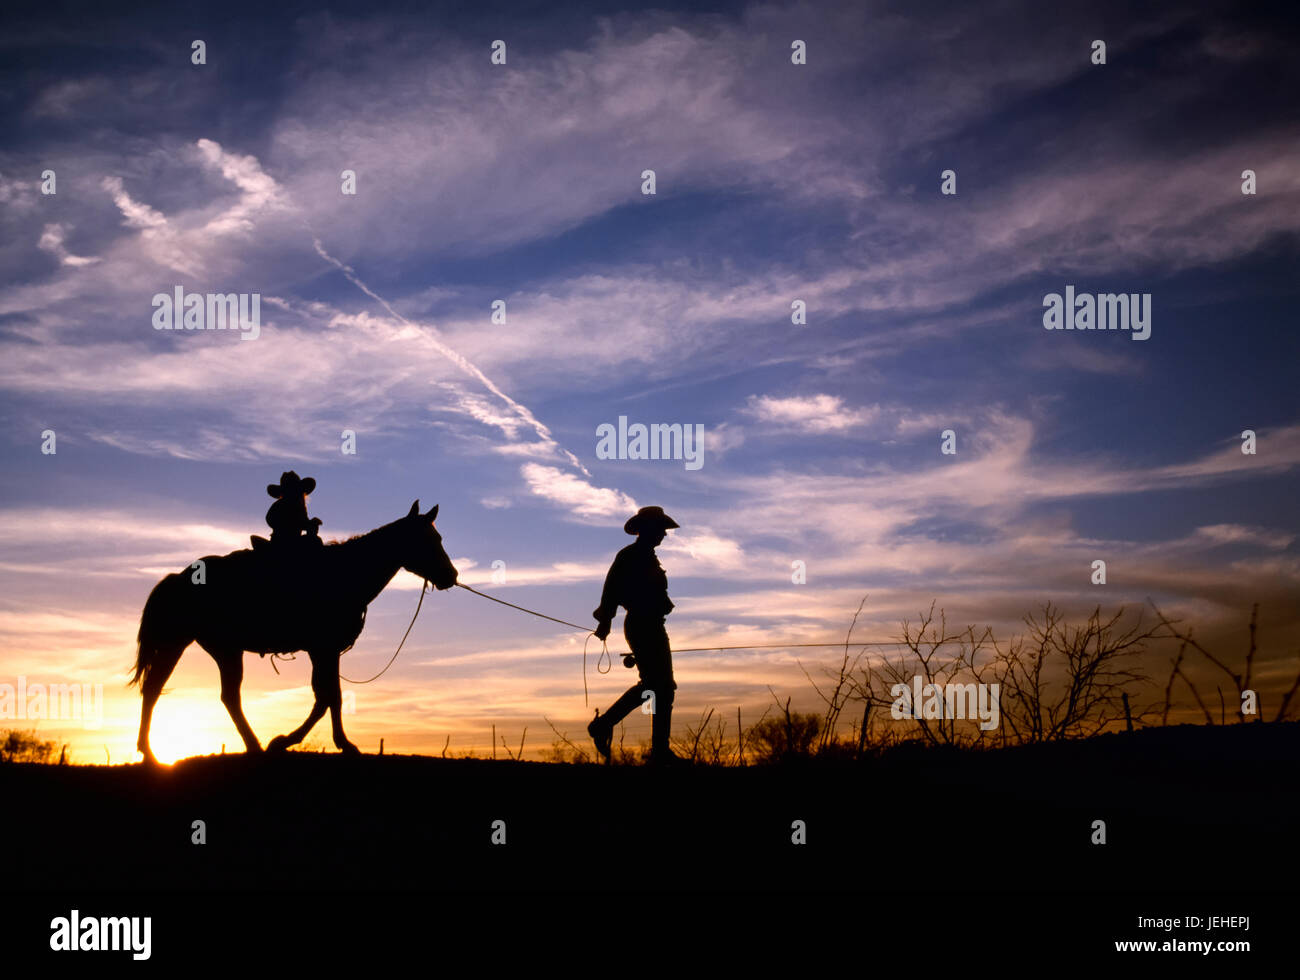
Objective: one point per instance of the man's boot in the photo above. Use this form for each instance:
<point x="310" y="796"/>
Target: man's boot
<point x="601" y="728"/>
<point x="661" y="725"/>
<point x="602" y="733"/>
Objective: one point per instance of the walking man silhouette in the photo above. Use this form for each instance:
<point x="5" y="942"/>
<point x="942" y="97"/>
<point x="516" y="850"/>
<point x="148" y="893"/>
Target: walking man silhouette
<point x="636" y="581"/>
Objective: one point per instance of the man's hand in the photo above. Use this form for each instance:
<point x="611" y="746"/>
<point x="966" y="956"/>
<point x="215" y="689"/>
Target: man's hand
<point x="602" y="631"/>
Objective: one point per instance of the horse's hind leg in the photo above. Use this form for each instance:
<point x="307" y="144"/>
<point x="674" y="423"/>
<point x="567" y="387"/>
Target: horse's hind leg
<point x="231" y="664"/>
<point x="162" y="662"/>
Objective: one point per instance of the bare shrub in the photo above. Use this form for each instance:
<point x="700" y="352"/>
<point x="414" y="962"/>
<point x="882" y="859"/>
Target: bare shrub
<point x="19" y="746"/>
<point x="1065" y="682"/>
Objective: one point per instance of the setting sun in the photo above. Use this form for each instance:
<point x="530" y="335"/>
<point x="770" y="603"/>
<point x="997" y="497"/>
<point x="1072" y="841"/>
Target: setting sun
<point x="187" y="724"/>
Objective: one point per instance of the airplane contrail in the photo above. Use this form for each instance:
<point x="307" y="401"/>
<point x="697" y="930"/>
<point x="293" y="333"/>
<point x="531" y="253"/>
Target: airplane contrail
<point x="462" y="362"/>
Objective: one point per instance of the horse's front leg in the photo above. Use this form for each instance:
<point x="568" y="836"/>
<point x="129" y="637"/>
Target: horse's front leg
<point x="282" y="742"/>
<point x="325" y="682"/>
<point x="319" y="705"/>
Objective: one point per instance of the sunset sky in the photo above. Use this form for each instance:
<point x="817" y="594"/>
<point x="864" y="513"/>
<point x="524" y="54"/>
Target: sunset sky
<point x="522" y="182"/>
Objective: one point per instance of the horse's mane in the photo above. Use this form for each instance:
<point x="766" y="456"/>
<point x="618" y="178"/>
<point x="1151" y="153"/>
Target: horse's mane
<point x="336" y="543"/>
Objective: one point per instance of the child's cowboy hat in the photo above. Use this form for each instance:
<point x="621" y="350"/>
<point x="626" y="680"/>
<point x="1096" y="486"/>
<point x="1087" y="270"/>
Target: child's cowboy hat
<point x="289" y="485"/>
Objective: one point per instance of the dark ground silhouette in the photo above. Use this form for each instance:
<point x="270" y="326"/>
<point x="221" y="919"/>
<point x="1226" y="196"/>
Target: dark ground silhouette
<point x="922" y="856"/>
<point x="1186" y="807"/>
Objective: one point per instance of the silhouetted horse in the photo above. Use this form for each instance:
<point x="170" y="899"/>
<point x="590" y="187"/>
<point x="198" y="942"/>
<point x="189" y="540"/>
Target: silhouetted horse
<point x="265" y="602"/>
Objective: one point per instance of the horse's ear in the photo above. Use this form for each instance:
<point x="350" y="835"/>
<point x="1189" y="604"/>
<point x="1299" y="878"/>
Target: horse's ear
<point x="433" y="514"/>
<point x="415" y="509"/>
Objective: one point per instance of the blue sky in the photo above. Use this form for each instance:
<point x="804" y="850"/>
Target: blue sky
<point x="522" y="182"/>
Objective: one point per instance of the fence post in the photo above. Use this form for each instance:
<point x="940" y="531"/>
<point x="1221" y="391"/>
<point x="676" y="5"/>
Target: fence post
<point x="740" y="738"/>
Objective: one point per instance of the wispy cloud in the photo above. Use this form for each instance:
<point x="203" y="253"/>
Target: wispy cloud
<point x="809" y="413"/>
<point x="52" y="242"/>
<point x="582" y="498"/>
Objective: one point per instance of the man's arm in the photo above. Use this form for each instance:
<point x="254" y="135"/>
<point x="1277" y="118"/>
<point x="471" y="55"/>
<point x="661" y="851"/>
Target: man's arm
<point x="608" y="607"/>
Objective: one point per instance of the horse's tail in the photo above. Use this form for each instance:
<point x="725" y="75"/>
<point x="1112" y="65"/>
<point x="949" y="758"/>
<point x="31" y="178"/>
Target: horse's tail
<point x="165" y="624"/>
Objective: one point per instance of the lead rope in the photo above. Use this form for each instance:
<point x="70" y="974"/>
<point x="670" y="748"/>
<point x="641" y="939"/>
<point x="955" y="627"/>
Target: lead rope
<point x="604" y="657"/>
<point x="604" y="644"/>
<point x="531" y="612"/>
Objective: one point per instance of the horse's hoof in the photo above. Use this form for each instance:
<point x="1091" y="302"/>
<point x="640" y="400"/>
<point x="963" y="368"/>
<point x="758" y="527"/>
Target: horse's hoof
<point x="347" y="748"/>
<point x="278" y="744"/>
<point x="253" y="749"/>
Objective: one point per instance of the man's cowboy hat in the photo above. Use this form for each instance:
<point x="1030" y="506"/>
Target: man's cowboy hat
<point x="290" y="484"/>
<point x="647" y="518"/>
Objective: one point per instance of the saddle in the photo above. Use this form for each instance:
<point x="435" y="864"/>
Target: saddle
<point x="284" y="582"/>
<point x="292" y="567"/>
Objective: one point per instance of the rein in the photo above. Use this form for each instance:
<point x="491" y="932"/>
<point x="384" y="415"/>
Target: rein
<point x="423" y="588"/>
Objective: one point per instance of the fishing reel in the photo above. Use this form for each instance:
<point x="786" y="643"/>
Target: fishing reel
<point x="629" y="661"/>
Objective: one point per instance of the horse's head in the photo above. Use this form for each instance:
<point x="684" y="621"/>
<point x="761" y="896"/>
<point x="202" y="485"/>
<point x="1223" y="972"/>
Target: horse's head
<point x="424" y="554"/>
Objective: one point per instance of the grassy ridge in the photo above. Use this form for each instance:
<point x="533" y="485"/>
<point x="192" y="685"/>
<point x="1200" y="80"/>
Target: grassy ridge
<point x="1185" y="807"/>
